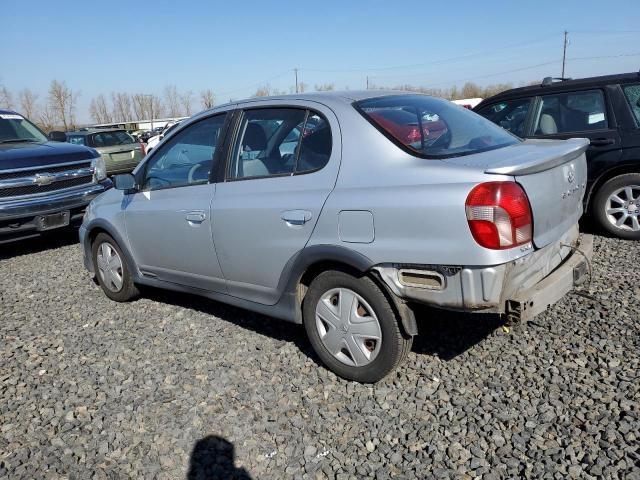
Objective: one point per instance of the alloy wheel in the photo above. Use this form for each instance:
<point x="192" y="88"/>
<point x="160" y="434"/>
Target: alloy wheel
<point x="623" y="208"/>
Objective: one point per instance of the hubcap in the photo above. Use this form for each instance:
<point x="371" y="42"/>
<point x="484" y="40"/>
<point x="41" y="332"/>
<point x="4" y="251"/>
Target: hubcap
<point x="623" y="208"/>
<point x="109" y="267"/>
<point x="348" y="327"/>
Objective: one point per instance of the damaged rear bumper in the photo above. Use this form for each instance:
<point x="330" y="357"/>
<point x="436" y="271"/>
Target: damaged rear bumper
<point x="521" y="288"/>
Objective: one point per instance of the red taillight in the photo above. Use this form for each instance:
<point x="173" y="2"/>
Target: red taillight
<point x="142" y="147"/>
<point x="499" y="215"/>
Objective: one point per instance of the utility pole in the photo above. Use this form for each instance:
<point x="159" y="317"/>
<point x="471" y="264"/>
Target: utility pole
<point x="367" y="82"/>
<point x="564" y="53"/>
<point x="296" y="72"/>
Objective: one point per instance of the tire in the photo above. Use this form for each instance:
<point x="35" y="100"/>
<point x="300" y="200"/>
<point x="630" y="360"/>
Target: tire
<point x="358" y="351"/>
<point x="123" y="291"/>
<point x="606" y="210"/>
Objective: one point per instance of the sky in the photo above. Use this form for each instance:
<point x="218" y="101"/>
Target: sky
<point x="234" y="47"/>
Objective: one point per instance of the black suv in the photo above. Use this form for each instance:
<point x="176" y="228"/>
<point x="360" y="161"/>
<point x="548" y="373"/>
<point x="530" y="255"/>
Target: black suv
<point x="606" y="110"/>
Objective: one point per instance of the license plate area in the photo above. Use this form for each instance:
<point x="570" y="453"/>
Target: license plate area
<point x="53" y="220"/>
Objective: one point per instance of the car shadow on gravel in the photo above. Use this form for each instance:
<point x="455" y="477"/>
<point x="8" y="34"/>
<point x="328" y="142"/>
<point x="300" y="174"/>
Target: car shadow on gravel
<point x="443" y="333"/>
<point x="48" y="241"/>
<point x="213" y="457"/>
<point x="448" y="334"/>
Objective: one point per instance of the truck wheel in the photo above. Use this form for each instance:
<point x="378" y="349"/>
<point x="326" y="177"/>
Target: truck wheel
<point x="617" y="206"/>
<point x="353" y="328"/>
<point x="112" y="271"/>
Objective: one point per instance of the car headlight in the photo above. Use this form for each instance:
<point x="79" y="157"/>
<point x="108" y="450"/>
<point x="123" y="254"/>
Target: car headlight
<point x="99" y="169"/>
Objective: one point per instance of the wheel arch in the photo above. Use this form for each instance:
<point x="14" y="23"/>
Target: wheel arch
<point x="99" y="226"/>
<point x="317" y="259"/>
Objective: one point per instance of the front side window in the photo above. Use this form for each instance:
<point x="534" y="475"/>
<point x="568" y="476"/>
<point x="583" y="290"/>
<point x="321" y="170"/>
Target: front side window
<point x="431" y="127"/>
<point x="76" y="139"/>
<point x="571" y="112"/>
<point x="186" y="158"/>
<point x="632" y="92"/>
<point x="111" y="139"/>
<point x="280" y="141"/>
<point x="16" y="128"/>
<point x="510" y="114"/>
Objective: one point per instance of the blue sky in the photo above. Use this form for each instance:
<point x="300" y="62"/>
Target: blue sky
<point x="233" y="47"/>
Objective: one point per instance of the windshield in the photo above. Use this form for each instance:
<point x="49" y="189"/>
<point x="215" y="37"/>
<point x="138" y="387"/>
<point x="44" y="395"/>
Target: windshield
<point x="432" y="127"/>
<point x="16" y="128"/>
<point x="112" y="138"/>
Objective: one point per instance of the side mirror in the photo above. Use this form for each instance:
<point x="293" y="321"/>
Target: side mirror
<point x="124" y="181"/>
<point x="56" y="136"/>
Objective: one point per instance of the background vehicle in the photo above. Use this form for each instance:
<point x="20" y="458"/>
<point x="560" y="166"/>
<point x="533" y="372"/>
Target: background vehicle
<point x="145" y="136"/>
<point x="121" y="153"/>
<point x="350" y="228"/>
<point x="606" y="110"/>
<point x="153" y="141"/>
<point x="43" y="184"/>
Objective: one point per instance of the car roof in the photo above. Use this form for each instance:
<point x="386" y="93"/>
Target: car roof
<point x="563" y="85"/>
<point x="91" y="131"/>
<point x="8" y="112"/>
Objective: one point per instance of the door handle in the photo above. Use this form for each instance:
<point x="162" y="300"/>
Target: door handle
<point x="296" y="217"/>
<point x="601" y="142"/>
<point x="197" y="216"/>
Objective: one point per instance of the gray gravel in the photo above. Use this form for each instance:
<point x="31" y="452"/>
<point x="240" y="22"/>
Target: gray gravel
<point x="173" y="386"/>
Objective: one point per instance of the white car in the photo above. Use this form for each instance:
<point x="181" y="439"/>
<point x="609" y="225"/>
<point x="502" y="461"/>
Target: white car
<point x="153" y="141"/>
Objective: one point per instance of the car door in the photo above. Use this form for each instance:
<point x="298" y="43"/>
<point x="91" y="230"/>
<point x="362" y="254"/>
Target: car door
<point x="168" y="221"/>
<point x="281" y="168"/>
<point x="585" y="114"/>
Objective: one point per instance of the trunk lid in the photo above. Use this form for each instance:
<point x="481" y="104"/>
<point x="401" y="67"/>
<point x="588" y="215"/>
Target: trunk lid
<point x="553" y="173"/>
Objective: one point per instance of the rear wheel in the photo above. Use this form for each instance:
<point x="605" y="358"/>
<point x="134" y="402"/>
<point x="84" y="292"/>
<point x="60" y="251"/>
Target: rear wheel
<point x="617" y="206"/>
<point x="112" y="271"/>
<point x="353" y="328"/>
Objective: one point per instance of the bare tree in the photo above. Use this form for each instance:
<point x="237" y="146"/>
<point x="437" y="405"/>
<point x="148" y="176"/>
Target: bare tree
<point x="186" y="99"/>
<point x="6" y="99"/>
<point x="302" y="87"/>
<point x="172" y="101"/>
<point x="324" y="87"/>
<point x="139" y="105"/>
<point x="99" y="110"/>
<point x="62" y="102"/>
<point x="263" y="91"/>
<point x="207" y="99"/>
<point x="471" y="90"/>
<point x="153" y="107"/>
<point x="47" y="118"/>
<point x="28" y="103"/>
<point x="121" y="106"/>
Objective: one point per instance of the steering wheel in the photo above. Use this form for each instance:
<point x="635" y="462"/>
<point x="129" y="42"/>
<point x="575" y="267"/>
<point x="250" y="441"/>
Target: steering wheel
<point x="193" y="170"/>
<point x="442" y="141"/>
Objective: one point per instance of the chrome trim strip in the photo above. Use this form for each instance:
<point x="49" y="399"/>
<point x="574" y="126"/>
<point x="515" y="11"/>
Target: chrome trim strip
<point x="78" y="192"/>
<point x="44" y="167"/>
<point x="55" y="177"/>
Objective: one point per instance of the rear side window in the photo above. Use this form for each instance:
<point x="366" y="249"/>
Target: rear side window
<point x="431" y="127"/>
<point x="510" y="115"/>
<point x="632" y="92"/>
<point x="110" y="139"/>
<point x="280" y="141"/>
<point x="571" y="112"/>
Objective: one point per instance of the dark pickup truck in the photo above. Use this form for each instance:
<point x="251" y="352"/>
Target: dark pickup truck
<point x="43" y="184"/>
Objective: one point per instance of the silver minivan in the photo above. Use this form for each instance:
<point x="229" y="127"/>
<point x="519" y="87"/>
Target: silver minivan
<point x="342" y="211"/>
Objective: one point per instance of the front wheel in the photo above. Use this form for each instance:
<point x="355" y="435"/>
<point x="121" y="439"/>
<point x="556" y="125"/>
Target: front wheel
<point x="112" y="271"/>
<point x="617" y="206"/>
<point x="353" y="327"/>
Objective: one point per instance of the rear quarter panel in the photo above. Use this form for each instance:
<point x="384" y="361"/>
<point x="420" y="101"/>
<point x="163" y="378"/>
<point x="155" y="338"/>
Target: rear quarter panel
<point x="418" y="205"/>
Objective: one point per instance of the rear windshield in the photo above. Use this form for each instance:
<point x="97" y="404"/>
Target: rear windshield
<point x="76" y="139"/>
<point x="432" y="127"/>
<point x="110" y="139"/>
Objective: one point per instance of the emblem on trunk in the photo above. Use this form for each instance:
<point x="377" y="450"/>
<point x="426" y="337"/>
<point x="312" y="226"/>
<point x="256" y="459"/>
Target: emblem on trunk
<point x="571" y="173"/>
<point x="43" y="179"/>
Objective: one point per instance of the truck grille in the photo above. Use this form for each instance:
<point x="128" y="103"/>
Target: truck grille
<point x="45" y="179"/>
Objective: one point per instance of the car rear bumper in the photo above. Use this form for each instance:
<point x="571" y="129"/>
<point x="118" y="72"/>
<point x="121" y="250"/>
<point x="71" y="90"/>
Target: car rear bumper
<point x="542" y="277"/>
<point x="18" y="217"/>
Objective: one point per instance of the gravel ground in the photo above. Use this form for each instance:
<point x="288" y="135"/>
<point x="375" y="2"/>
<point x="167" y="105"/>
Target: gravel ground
<point x="173" y="386"/>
